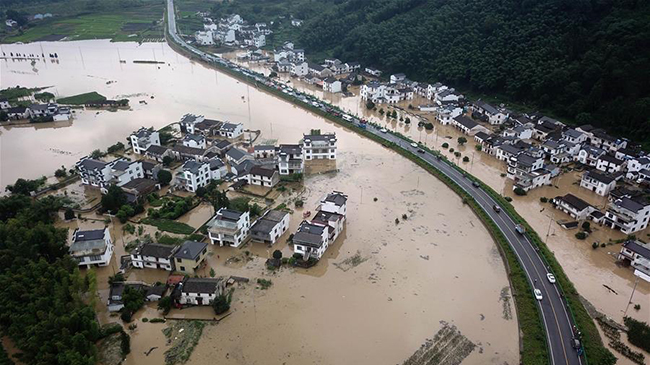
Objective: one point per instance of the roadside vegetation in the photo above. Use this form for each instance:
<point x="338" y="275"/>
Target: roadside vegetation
<point x="81" y="99"/>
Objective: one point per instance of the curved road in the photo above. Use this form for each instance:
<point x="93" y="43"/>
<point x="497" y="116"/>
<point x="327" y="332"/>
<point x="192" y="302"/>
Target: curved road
<point x="554" y="313"/>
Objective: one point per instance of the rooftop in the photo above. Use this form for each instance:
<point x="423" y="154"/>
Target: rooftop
<point x="155" y="250"/>
<point x="575" y="202"/>
<point x="190" y="250"/>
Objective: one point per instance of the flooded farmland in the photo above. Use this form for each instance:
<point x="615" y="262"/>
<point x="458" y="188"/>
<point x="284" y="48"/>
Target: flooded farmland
<point x="386" y="287"/>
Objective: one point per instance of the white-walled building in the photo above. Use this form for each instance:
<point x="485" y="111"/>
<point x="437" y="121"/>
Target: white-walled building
<point x="598" y="182"/>
<point x="92" y="248"/>
<point x="200" y="291"/>
<point x="270" y="226"/>
<point x="290" y="159"/>
<point x="573" y="206"/>
<point x="195" y="141"/>
<point x="319" y="146"/>
<point x="332" y="85"/>
<point x="627" y="215"/>
<point x="204" y="37"/>
<point x="103" y="174"/>
<point x="193" y="175"/>
<point x="153" y="256"/>
<point x="231" y="130"/>
<point x="229" y="227"/>
<point x="299" y="69"/>
<point x="143" y="138"/>
<point x="609" y="164"/>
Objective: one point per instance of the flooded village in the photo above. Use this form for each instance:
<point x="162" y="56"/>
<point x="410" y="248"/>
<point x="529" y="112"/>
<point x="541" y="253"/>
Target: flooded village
<point x="331" y="235"/>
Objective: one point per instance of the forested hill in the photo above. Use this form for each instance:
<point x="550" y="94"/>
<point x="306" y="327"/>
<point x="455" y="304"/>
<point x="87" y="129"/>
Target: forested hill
<point x="586" y="60"/>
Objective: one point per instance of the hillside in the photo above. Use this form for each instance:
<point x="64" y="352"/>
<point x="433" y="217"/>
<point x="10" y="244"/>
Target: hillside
<point x="586" y="61"/>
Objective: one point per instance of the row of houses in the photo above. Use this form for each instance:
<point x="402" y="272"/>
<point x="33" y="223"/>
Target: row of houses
<point x="312" y="238"/>
<point x="51" y="111"/>
<point x="232" y="31"/>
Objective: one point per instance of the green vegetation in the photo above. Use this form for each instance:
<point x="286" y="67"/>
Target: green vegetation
<point x="44" y="97"/>
<point x="165" y="304"/>
<point x="164" y="177"/>
<point x="638" y="333"/>
<point x="172" y="208"/>
<point x="264" y="283"/>
<point x="171" y="226"/>
<point x="519" y="191"/>
<point x="14" y="93"/>
<point x="183" y="343"/>
<point x="117" y="20"/>
<point x="42" y="296"/>
<point x="119" y="146"/>
<point x="221" y="303"/>
<point x="81" y="99"/>
<point x="26" y="187"/>
<point x="133" y="301"/>
<point x="582" y="64"/>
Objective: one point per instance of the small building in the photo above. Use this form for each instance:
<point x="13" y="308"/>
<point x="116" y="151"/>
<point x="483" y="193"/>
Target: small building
<point x="332" y="85"/>
<point x="627" y="215"/>
<point x="194" y="140"/>
<point x="466" y="125"/>
<point x="319" y="146"/>
<point x="290" y="159"/>
<point x="157" y="153"/>
<point x="609" y="164"/>
<point x="92" y="247"/>
<point x="637" y="254"/>
<point x="598" y="182"/>
<point x="262" y="176"/>
<point x="143" y="138"/>
<point x="400" y="77"/>
<point x="19" y="112"/>
<point x="237" y="156"/>
<point x="311" y="240"/>
<point x="190" y="256"/>
<point x="193" y="175"/>
<point x="4" y="103"/>
<point x="264" y="151"/>
<point x="269" y="227"/>
<point x="231" y="130"/>
<point x="200" y="291"/>
<point x="372" y="71"/>
<point x="229" y="227"/>
<point x="184" y="153"/>
<point x="154" y="256"/>
<point x="573" y="206"/>
<point x="334" y="202"/>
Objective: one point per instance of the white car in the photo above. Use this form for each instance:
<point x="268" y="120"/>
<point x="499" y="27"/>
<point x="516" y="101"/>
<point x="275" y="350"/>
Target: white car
<point x="414" y="145"/>
<point x="538" y="294"/>
<point x="383" y="130"/>
<point x="551" y="278"/>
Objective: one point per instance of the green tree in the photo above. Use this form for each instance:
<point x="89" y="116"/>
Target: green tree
<point x="97" y="154"/>
<point x="519" y="191"/>
<point x="69" y="214"/>
<point x="113" y="200"/>
<point x="165" y="304"/>
<point x="201" y="192"/>
<point x="462" y="140"/>
<point x="370" y="105"/>
<point x="25" y="187"/>
<point x="164" y="177"/>
<point x="277" y="254"/>
<point x="212" y="273"/>
<point x="167" y="160"/>
<point x="221" y="303"/>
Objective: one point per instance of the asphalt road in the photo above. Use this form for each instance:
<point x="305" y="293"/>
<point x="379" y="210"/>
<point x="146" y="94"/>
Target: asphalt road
<point x="555" y="316"/>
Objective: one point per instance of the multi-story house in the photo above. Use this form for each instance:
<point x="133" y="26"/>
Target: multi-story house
<point x="189" y="256"/>
<point x="229" y="227"/>
<point x="319" y="146"/>
<point x="636" y="254"/>
<point x="143" y="138"/>
<point x="264" y="151"/>
<point x="290" y="159"/>
<point x="574" y="136"/>
<point x="193" y="175"/>
<point x="528" y="172"/>
<point x="634" y="166"/>
<point x="627" y="215"/>
<point x="195" y="141"/>
<point x="231" y="130"/>
<point x="218" y="169"/>
<point x="92" y="248"/>
<point x="262" y="176"/>
<point x="335" y="202"/>
<point x="589" y="155"/>
<point x="299" y="69"/>
<point x="103" y="174"/>
<point x="311" y="240"/>
<point x="332" y="85"/>
<point x="573" y="206"/>
<point x="598" y="182"/>
<point x="270" y="226"/>
<point x="237" y="156"/>
<point x="609" y="164"/>
<point x="199" y="291"/>
<point x="154" y="256"/>
<point x="489" y="113"/>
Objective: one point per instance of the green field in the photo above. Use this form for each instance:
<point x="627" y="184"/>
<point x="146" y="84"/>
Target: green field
<point x="82" y="98"/>
<point x="132" y="23"/>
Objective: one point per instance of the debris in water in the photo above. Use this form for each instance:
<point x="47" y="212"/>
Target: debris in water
<point x="351" y="262"/>
<point x="507" y="306"/>
<point x="448" y="347"/>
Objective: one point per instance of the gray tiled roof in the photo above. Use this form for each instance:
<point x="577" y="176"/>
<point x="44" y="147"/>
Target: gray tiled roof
<point x="190" y="250"/>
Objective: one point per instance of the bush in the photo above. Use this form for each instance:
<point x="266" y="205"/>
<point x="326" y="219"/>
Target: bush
<point x="462" y="140"/>
<point x="125" y="343"/>
<point x="277" y="254"/>
<point x="69" y="214"/>
<point x="581" y="235"/>
<point x="60" y="173"/>
<point x="264" y="283"/>
<point x="543" y="199"/>
<point x="594" y="245"/>
<point x="201" y="191"/>
<point x="299" y="203"/>
<point x="638" y="333"/>
<point x="165" y="305"/>
<point x="119" y="146"/>
<point x="586" y="226"/>
<point x="145" y="319"/>
<point x="445" y="145"/>
<point x="126" y="316"/>
<point x="164" y="177"/>
<point x="167" y="160"/>
<point x="158" y="320"/>
<point x="221" y="303"/>
<point x="370" y="105"/>
<point x="519" y="191"/>
<point x="637" y="307"/>
<point x="478" y="147"/>
<point x="507" y="198"/>
<point x="451" y="150"/>
<point x="457" y="154"/>
<point x="465" y="159"/>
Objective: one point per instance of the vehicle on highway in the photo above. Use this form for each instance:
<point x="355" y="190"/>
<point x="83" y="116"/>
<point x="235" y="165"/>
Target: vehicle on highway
<point x="520" y="229"/>
<point x="420" y="150"/>
<point x="414" y="145"/>
<point x="551" y="278"/>
<point x="476" y="184"/>
<point x="496" y="208"/>
<point x="575" y="343"/>
<point x="538" y="294"/>
<point x="383" y="130"/>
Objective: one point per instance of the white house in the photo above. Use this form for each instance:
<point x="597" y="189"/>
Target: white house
<point x="229" y="227"/>
<point x="394" y="79"/>
<point x="296" y="22"/>
<point x="264" y="151"/>
<point x="218" y="169"/>
<point x="491" y="114"/>
<point x="299" y="69"/>
<point x="311" y="240"/>
<point x="447" y="113"/>
<point x="259" y="40"/>
<point x="467" y="125"/>
<point x="102" y="174"/>
<point x="290" y="159"/>
<point x="4" y="103"/>
<point x="574" y="136"/>
<point x="627" y="215"/>
<point x="262" y="176"/>
<point x="609" y="164"/>
<point x="189" y="121"/>
<point x="372" y="71"/>
<point x="143" y="138"/>
<point x="231" y="130"/>
<point x="92" y="248"/>
<point x="269" y="227"/>
<point x="335" y="202"/>
<point x="195" y="141"/>
<point x="573" y="206"/>
<point x="204" y="37"/>
<point x="319" y="146"/>
<point x="332" y="85"/>
<point x="636" y="165"/>
<point x="237" y="156"/>
<point x="598" y="182"/>
<point x="637" y="254"/>
<point x="193" y="175"/>
<point x="200" y="291"/>
<point x="589" y="155"/>
<point x="153" y="256"/>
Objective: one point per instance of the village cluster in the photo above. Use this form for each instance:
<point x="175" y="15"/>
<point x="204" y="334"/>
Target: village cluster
<point x="207" y="150"/>
<point x="45" y="112"/>
<point x="232" y="31"/>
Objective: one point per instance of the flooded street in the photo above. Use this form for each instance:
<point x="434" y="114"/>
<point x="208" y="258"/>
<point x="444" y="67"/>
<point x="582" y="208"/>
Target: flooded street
<point x="384" y="287"/>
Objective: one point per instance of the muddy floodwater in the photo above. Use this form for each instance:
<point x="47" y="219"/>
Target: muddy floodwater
<point x="381" y="291"/>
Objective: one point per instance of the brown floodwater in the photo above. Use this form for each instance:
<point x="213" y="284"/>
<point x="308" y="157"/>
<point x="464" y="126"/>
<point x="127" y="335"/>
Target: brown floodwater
<point x="439" y="264"/>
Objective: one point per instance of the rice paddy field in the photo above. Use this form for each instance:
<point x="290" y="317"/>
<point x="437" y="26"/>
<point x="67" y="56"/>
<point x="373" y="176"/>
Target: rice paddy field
<point x="136" y="22"/>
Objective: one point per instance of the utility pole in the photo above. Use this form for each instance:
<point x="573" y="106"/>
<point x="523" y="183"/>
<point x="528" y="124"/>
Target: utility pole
<point x="630" y="301"/>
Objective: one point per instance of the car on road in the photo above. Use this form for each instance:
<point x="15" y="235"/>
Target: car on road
<point x="520" y="229"/>
<point x="383" y="130"/>
<point x="420" y="150"/>
<point x="538" y="294"/>
<point x="476" y="184"/>
<point x="496" y="208"/>
<point x="414" y="145"/>
<point x="551" y="278"/>
<point x="575" y="343"/>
